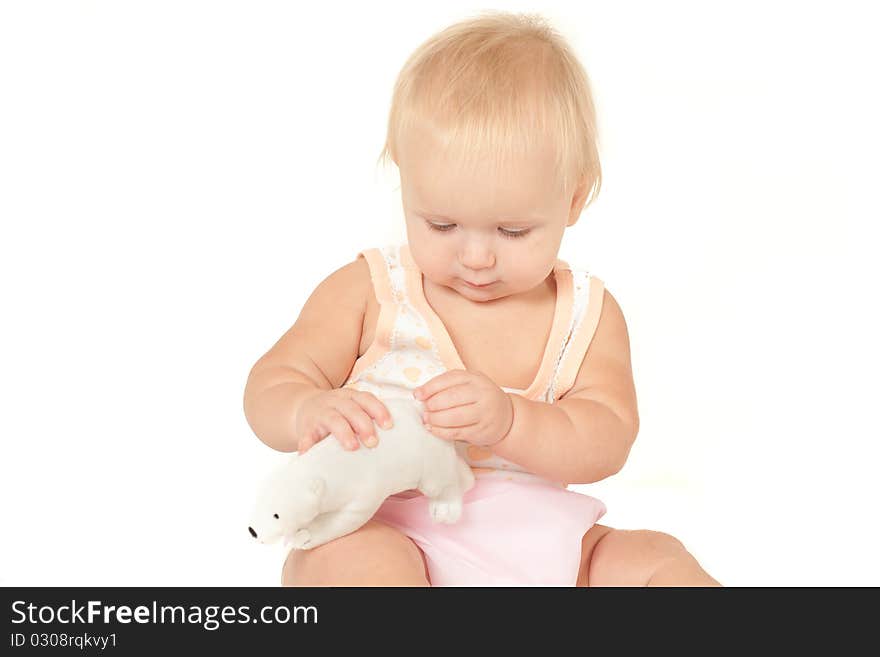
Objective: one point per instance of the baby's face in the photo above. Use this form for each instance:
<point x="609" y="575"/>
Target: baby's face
<point x="480" y="226"/>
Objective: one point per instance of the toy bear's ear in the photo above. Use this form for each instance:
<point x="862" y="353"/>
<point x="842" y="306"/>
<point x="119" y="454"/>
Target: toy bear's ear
<point x="316" y="487"/>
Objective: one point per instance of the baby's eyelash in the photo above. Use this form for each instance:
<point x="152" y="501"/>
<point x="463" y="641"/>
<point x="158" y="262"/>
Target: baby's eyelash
<point x="445" y="228"/>
<point x="441" y="227"/>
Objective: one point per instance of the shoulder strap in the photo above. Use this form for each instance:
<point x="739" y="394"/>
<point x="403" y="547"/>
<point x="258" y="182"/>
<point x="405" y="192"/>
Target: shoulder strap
<point x="396" y="268"/>
<point x="379" y="274"/>
<point x="589" y="292"/>
<point x="382" y="275"/>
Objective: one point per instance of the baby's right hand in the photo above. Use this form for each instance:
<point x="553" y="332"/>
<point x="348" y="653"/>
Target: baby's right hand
<point x="347" y="414"/>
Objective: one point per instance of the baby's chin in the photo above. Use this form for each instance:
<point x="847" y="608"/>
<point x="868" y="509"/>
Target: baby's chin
<point x="489" y="293"/>
<point x="498" y="290"/>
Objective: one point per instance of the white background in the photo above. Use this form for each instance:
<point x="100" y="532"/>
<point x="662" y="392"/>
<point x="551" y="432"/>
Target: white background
<point x="177" y="177"/>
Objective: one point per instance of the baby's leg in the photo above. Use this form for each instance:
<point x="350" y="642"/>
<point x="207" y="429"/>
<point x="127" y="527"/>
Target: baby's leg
<point x="618" y="557"/>
<point x="374" y="555"/>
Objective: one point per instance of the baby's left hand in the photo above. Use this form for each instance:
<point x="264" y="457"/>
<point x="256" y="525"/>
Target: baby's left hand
<point x="468" y="406"/>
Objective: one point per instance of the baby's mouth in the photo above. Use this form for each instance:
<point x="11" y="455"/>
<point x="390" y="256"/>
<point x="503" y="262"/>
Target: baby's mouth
<point x="479" y="287"/>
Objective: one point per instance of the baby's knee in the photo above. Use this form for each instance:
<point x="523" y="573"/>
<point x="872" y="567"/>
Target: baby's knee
<point x="627" y="557"/>
<point x="318" y="566"/>
<point x="645" y="549"/>
<point x="669" y="563"/>
<point x="374" y="555"/>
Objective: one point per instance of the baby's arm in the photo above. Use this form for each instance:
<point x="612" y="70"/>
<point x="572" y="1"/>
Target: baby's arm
<point x="586" y="436"/>
<point x="316" y="354"/>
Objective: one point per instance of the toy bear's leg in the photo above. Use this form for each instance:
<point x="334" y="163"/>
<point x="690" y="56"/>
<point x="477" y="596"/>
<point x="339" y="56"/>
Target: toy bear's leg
<point x="446" y="507"/>
<point x="331" y="525"/>
<point x="446" y="484"/>
<point x="446" y="504"/>
<point x="443" y="473"/>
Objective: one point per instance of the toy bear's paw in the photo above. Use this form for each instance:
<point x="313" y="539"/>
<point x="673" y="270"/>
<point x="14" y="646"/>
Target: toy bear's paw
<point x="301" y="540"/>
<point x="446" y="512"/>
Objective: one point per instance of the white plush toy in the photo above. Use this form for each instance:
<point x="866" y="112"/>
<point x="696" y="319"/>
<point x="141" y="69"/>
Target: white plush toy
<point x="328" y="492"/>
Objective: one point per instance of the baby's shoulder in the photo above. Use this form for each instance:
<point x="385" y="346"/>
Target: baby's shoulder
<point x="347" y="286"/>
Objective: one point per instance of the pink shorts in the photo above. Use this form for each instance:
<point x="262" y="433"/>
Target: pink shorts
<point x="510" y="534"/>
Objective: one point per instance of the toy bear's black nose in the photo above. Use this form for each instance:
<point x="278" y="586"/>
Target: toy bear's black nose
<point x="253" y="533"/>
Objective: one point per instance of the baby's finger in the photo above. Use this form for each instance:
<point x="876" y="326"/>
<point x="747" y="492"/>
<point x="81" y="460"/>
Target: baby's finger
<point x="338" y="425"/>
<point x="457" y="395"/>
<point x="360" y="421"/>
<point x="440" y="382"/>
<point x="375" y="408"/>
<point x="446" y="433"/>
<point x="452" y="418"/>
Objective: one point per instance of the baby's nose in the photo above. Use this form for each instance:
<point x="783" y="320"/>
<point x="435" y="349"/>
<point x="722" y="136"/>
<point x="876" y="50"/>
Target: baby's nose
<point x="253" y="533"/>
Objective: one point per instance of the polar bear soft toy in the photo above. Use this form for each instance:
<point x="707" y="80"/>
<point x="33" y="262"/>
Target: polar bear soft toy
<point x="328" y="492"/>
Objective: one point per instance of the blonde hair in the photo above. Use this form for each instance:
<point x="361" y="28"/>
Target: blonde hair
<point x="500" y="86"/>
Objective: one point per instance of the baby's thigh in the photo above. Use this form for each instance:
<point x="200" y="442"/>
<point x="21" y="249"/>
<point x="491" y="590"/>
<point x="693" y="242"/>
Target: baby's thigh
<point x="374" y="555"/>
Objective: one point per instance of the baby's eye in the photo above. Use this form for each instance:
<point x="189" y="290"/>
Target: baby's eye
<point x="275" y="515"/>
<point x="444" y="228"/>
<point x="441" y="227"/>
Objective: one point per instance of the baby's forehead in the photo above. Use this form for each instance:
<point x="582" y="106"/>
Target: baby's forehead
<point x="528" y="193"/>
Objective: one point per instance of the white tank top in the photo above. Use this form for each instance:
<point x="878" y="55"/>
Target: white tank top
<point x="412" y="346"/>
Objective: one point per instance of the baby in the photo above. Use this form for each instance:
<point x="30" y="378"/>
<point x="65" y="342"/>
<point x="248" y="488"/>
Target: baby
<point x="519" y="359"/>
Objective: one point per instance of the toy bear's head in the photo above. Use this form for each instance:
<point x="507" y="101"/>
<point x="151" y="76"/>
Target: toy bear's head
<point x="286" y="503"/>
